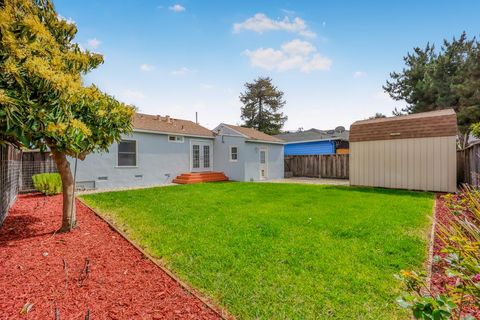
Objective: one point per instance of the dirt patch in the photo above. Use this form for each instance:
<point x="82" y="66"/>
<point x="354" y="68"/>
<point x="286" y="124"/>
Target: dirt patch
<point x="89" y="270"/>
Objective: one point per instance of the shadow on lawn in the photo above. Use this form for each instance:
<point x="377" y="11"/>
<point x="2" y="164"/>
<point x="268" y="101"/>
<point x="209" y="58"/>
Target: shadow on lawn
<point x="378" y="190"/>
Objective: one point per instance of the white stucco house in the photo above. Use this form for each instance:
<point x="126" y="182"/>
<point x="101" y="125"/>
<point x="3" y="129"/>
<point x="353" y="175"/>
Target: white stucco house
<point x="163" y="149"/>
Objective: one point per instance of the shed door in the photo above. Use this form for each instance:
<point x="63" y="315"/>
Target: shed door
<point x="263" y="164"/>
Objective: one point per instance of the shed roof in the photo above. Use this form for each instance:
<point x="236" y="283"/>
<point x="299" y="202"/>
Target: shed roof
<point x="253" y="134"/>
<point x="440" y="123"/>
<point x="169" y="125"/>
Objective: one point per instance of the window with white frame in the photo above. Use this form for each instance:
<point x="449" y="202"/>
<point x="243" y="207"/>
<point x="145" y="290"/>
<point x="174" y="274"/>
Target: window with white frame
<point x="178" y="139"/>
<point x="127" y="153"/>
<point x="233" y="153"/>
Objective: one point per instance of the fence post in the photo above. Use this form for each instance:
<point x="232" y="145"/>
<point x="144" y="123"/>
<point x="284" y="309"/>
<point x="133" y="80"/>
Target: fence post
<point x="468" y="165"/>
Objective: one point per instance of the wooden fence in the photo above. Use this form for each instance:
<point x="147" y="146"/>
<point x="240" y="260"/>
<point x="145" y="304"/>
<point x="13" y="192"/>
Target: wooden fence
<point x="468" y="165"/>
<point x="335" y="166"/>
<point x="10" y="171"/>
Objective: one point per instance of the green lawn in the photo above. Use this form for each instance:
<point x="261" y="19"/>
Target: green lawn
<point x="281" y="251"/>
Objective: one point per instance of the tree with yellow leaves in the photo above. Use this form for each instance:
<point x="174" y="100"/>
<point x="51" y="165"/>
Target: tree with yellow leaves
<point x="43" y="100"/>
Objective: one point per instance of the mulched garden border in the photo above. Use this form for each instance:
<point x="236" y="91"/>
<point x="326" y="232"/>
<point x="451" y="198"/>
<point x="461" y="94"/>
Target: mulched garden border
<point x="92" y="270"/>
<point x="438" y="279"/>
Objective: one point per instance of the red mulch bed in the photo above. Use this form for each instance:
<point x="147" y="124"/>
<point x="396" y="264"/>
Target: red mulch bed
<point x="439" y="279"/>
<point x="121" y="283"/>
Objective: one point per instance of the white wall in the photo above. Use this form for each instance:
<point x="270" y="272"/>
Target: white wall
<point x="221" y="157"/>
<point x="252" y="160"/>
<point x="418" y="164"/>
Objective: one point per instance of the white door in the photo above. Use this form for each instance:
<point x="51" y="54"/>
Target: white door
<point x="263" y="164"/>
<point x="201" y="156"/>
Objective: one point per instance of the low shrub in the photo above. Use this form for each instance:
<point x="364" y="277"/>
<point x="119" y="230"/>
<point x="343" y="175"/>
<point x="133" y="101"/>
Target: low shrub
<point x="47" y="183"/>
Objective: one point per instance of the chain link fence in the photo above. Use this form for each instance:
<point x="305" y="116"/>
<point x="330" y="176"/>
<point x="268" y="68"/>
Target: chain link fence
<point x="10" y="175"/>
<point x="30" y="168"/>
<point x="16" y="171"/>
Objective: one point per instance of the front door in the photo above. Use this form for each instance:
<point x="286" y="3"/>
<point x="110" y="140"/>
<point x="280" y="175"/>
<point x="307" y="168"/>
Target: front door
<point x="263" y="164"/>
<point x="201" y="156"/>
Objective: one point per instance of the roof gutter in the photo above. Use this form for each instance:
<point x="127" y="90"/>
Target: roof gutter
<point x="263" y="141"/>
<point x="173" y="133"/>
<point x="316" y="140"/>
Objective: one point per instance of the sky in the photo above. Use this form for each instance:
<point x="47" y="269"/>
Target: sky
<point x="330" y="58"/>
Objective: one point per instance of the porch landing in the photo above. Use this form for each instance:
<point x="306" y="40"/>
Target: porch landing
<point x="198" y="177"/>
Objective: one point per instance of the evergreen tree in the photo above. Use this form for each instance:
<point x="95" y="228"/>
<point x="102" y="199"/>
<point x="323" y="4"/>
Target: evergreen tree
<point x="262" y="104"/>
<point x="435" y="80"/>
<point x="377" y="115"/>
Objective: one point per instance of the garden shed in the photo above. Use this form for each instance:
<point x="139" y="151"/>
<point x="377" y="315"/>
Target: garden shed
<point x="416" y="152"/>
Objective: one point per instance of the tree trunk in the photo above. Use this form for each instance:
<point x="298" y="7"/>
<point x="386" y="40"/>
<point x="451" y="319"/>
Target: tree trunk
<point x="260" y="110"/>
<point x="69" y="219"/>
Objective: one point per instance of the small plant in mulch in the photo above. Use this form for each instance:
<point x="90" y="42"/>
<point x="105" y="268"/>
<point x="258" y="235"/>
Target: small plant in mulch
<point x="457" y="264"/>
<point x="47" y="183"/>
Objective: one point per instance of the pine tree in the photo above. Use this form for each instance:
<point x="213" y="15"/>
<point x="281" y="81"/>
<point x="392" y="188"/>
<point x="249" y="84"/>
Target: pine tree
<point x="435" y="80"/>
<point x="262" y="104"/>
<point x="377" y="115"/>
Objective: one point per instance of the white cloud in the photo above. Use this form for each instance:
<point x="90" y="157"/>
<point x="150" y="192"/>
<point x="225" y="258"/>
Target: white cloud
<point x="359" y="74"/>
<point x="132" y="95"/>
<point x="147" y="67"/>
<point x="94" y="43"/>
<point x="265" y="58"/>
<point x="177" y="8"/>
<point x="294" y="55"/>
<point x="317" y="62"/>
<point x="180" y="72"/>
<point x="298" y="47"/>
<point x="260" y="23"/>
<point x="67" y="20"/>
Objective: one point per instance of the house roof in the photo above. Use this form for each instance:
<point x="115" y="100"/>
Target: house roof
<point x="314" y="135"/>
<point x="440" y="123"/>
<point x="169" y="125"/>
<point x="253" y="134"/>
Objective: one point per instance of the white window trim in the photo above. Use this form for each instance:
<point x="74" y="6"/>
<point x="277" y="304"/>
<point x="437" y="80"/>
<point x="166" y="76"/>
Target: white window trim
<point x="178" y="139"/>
<point x="210" y="143"/>
<point x="230" y="154"/>
<point x="266" y="163"/>
<point x="136" y="155"/>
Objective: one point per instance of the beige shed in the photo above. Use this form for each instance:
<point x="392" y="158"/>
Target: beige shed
<point x="416" y="152"/>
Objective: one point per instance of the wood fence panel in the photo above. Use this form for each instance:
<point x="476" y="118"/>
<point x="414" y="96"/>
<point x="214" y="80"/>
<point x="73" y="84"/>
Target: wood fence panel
<point x="335" y="166"/>
<point x="468" y="165"/>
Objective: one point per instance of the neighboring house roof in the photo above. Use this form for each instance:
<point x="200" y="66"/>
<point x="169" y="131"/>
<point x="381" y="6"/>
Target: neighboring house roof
<point x="254" y="135"/>
<point x="314" y="135"/>
<point x="439" y="123"/>
<point x="169" y="125"/>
